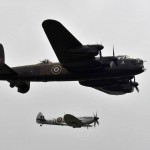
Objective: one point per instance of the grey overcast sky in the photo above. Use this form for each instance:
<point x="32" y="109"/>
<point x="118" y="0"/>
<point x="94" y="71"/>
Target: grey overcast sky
<point x="124" y="120"/>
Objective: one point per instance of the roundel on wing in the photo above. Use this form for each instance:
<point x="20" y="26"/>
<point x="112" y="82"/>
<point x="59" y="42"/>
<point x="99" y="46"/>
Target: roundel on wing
<point x="59" y="119"/>
<point x="56" y="69"/>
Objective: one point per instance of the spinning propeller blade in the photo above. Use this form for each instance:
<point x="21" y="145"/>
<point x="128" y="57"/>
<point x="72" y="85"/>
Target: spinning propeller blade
<point x="113" y="51"/>
<point x="114" y="59"/>
<point x="95" y="119"/>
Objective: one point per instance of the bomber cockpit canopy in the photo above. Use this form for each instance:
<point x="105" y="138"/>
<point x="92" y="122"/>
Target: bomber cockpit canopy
<point x="45" y="61"/>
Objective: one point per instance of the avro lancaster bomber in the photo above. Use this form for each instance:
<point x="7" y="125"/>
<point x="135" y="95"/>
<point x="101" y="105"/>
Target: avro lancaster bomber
<point x="83" y="63"/>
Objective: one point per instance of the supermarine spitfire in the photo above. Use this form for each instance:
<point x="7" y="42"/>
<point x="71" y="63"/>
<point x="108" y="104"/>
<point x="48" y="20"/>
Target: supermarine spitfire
<point x="68" y="120"/>
<point x="84" y="63"/>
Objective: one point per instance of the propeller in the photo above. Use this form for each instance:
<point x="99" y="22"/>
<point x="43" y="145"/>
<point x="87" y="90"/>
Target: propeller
<point x="113" y="51"/>
<point x="95" y="119"/>
<point x="134" y="84"/>
<point x="100" y="54"/>
<point x="114" y="60"/>
<point x="100" y="47"/>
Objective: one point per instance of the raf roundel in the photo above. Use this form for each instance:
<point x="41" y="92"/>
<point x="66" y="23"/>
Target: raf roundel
<point x="59" y="119"/>
<point x="56" y="69"/>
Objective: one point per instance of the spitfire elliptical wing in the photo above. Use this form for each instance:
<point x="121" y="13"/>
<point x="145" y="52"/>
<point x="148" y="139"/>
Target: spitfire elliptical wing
<point x="72" y="121"/>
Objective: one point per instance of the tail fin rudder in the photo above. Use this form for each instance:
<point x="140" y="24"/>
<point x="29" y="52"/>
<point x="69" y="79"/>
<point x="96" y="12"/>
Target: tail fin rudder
<point x="2" y="54"/>
<point x="40" y="118"/>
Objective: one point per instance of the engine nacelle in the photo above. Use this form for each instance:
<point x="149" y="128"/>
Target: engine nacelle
<point x="86" y="50"/>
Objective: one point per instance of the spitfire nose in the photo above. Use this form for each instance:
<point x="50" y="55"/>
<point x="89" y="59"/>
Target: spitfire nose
<point x="96" y="118"/>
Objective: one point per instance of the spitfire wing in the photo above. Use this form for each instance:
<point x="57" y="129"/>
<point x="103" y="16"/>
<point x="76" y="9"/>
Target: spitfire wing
<point x="72" y="121"/>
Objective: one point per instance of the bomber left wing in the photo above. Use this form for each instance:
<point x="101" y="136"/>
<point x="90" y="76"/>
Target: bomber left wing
<point x="70" y="120"/>
<point x="112" y="86"/>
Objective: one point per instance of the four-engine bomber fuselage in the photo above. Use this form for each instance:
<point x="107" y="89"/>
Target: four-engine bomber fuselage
<point x="47" y="71"/>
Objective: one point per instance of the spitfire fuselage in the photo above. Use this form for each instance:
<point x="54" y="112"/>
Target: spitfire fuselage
<point x="76" y="122"/>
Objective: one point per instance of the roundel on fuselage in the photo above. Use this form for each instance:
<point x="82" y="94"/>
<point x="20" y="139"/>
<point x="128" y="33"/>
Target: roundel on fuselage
<point x="59" y="119"/>
<point x="56" y="69"/>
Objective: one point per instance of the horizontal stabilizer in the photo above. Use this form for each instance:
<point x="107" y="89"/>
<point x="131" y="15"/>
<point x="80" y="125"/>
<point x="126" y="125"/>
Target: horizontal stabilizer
<point x="2" y="55"/>
<point x="23" y="86"/>
<point x="6" y="70"/>
<point x="40" y="118"/>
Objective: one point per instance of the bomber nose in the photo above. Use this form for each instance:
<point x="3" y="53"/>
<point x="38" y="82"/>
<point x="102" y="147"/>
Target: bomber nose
<point x="139" y="61"/>
<point x="141" y="64"/>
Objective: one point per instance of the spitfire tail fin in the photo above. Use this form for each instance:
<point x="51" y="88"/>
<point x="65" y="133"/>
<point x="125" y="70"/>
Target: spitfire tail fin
<point x="2" y="55"/>
<point x="40" y="118"/>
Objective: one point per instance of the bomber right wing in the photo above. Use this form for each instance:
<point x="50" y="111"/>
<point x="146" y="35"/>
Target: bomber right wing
<point x="70" y="120"/>
<point x="112" y="86"/>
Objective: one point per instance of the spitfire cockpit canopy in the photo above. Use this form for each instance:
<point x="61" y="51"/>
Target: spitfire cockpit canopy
<point x="120" y="57"/>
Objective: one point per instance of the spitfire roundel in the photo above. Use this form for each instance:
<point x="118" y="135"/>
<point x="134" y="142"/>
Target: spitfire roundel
<point x="59" y="119"/>
<point x="56" y="69"/>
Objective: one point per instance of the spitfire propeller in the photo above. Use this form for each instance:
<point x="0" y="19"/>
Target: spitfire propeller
<point x="95" y="120"/>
